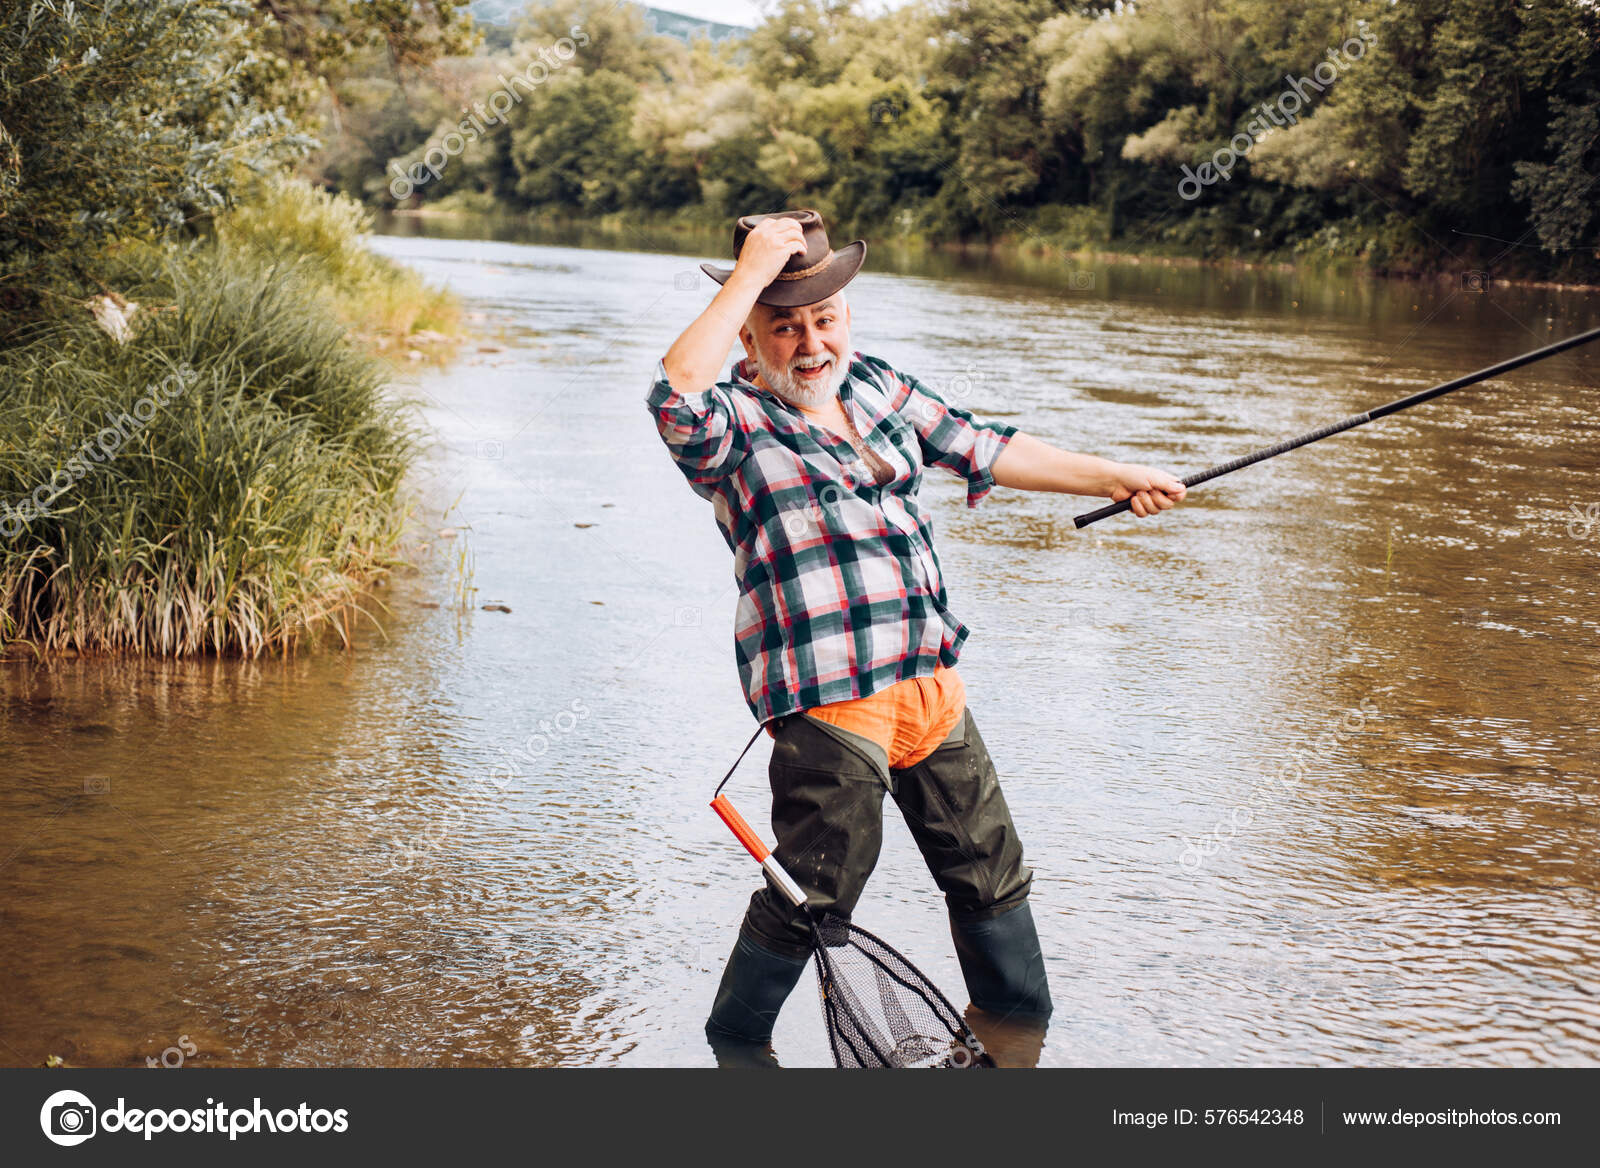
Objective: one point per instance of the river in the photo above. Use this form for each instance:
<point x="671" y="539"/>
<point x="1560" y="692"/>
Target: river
<point x="1308" y="768"/>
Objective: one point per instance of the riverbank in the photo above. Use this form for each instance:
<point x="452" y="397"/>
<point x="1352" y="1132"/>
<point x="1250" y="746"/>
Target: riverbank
<point x="213" y="461"/>
<point x="1062" y="237"/>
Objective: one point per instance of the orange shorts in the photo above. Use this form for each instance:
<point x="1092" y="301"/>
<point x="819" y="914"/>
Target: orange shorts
<point x="908" y="719"/>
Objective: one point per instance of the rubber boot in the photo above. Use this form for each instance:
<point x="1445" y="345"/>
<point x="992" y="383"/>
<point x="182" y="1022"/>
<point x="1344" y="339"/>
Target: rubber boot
<point x="754" y="986"/>
<point x="1001" y="961"/>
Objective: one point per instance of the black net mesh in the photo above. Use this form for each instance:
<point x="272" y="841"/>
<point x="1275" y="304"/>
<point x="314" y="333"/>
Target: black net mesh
<point x="880" y="1011"/>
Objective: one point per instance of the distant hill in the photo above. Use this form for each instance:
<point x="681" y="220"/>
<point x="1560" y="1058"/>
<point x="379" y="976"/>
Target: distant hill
<point x="673" y="24"/>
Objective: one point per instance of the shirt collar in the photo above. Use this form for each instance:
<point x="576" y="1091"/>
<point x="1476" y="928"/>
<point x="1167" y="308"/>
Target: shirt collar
<point x="739" y="376"/>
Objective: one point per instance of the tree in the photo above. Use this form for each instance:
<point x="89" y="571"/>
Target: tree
<point x="1561" y="194"/>
<point x="571" y="148"/>
<point x="122" y="121"/>
<point x="311" y="44"/>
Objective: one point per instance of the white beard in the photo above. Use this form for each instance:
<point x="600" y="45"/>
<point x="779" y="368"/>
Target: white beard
<point x="791" y="389"/>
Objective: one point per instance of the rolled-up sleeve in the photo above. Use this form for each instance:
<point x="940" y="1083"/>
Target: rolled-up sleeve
<point x="950" y="437"/>
<point x="701" y="431"/>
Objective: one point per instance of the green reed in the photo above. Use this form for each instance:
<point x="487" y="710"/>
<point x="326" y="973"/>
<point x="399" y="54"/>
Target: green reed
<point x="250" y="511"/>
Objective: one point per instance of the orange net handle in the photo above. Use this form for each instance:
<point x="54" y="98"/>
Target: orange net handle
<point x="736" y="824"/>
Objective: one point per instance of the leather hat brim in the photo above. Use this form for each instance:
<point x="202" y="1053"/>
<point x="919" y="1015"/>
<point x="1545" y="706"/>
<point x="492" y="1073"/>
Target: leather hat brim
<point x="847" y="261"/>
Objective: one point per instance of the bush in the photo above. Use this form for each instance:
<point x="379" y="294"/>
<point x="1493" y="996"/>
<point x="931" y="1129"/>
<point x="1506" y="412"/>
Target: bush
<point x="227" y="481"/>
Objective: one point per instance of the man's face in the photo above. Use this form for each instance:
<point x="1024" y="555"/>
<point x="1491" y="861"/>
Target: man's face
<point x="802" y="354"/>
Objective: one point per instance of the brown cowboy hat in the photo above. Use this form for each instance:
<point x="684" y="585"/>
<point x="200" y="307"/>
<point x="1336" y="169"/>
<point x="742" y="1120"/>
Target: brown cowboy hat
<point x="805" y="279"/>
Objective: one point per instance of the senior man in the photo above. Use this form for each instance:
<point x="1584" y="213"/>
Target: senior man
<point x="811" y="455"/>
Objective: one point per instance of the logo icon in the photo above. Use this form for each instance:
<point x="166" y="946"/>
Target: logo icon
<point x="67" y="1118"/>
<point x="884" y="109"/>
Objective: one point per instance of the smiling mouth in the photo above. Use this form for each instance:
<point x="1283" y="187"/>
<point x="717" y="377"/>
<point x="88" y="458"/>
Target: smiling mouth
<point x="813" y="372"/>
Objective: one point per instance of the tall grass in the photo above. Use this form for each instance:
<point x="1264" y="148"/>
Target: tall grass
<point x="251" y="510"/>
<point x="291" y="222"/>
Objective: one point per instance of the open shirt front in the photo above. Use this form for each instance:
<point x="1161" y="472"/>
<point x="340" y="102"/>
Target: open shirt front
<point x="840" y="590"/>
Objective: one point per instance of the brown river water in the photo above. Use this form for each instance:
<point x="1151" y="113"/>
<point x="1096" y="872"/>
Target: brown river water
<point x="1308" y="768"/>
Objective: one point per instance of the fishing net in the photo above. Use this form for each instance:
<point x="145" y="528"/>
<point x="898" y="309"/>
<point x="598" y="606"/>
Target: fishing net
<point x="880" y="1011"/>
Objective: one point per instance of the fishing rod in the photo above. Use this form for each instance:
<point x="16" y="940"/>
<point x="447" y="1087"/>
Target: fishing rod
<point x="1354" y="420"/>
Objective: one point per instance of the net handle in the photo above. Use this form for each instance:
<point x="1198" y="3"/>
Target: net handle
<point x="742" y="830"/>
<point x="747" y="836"/>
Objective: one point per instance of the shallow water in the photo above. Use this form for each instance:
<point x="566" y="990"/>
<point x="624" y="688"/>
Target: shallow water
<point x="1308" y="769"/>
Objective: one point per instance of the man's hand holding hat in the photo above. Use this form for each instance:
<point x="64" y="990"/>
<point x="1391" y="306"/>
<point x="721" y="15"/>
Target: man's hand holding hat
<point x="780" y="259"/>
<point x="767" y="249"/>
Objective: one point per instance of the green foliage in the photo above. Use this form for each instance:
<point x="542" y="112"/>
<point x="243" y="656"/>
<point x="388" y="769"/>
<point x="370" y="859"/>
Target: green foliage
<point x="1562" y="192"/>
<point x="226" y="476"/>
<point x="1452" y="119"/>
<point x="244" y="512"/>
<point x="121" y="120"/>
<point x="290" y="220"/>
<point x="309" y="47"/>
<point x="572" y="146"/>
<point x="322" y="236"/>
<point x="138" y="119"/>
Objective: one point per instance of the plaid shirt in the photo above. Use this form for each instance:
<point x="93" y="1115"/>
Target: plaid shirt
<point x="840" y="592"/>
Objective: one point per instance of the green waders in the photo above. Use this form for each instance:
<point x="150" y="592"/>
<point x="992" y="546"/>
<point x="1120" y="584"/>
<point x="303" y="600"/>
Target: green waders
<point x="827" y="814"/>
